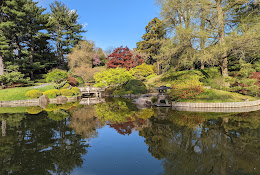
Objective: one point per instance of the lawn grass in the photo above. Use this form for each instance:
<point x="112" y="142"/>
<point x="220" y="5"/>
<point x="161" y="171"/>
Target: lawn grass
<point x="217" y="96"/>
<point x="12" y="110"/>
<point x="19" y="93"/>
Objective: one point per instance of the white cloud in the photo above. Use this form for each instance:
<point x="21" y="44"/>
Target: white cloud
<point x="85" y="24"/>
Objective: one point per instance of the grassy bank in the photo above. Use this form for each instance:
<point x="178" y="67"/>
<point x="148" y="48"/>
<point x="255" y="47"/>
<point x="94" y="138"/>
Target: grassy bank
<point x="208" y="77"/>
<point x="216" y="96"/>
<point x="19" y="93"/>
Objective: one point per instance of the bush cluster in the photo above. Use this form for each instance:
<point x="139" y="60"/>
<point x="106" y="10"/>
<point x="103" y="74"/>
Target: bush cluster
<point x="52" y="93"/>
<point x="75" y="90"/>
<point x="34" y="109"/>
<point x="182" y="90"/>
<point x="66" y="92"/>
<point x="57" y="76"/>
<point x="33" y="94"/>
<point x="66" y="86"/>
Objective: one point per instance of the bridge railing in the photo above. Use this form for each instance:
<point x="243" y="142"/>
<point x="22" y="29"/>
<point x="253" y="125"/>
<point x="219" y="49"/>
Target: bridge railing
<point x="91" y="89"/>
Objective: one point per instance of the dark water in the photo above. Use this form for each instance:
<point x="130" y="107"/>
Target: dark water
<point x="117" y="138"/>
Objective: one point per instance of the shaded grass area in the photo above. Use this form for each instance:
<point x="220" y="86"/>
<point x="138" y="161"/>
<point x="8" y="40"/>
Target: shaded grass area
<point x="19" y="93"/>
<point x="215" y="96"/>
<point x="12" y="110"/>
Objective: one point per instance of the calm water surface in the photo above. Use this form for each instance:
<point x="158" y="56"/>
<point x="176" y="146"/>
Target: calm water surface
<point x="119" y="139"/>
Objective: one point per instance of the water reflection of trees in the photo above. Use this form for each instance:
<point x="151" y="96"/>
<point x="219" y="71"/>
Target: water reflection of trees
<point x="190" y="143"/>
<point x="37" y="145"/>
<point x="123" y="116"/>
<point x="85" y="122"/>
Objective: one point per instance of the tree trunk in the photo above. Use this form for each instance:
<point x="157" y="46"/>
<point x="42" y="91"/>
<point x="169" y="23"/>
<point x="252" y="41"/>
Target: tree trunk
<point x="202" y="66"/>
<point x="58" y="54"/>
<point x="1" y="64"/>
<point x="1" y="67"/>
<point x="31" y="56"/>
<point x="202" y="39"/>
<point x="158" y="68"/>
<point x="221" y="32"/>
<point x="19" y="47"/>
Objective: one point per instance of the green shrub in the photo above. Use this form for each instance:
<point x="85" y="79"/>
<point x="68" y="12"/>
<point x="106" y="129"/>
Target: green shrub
<point x="33" y="94"/>
<point x="142" y="71"/>
<point x="66" y="86"/>
<point x="112" y="77"/>
<point x="66" y="92"/>
<point x="52" y="93"/>
<point x="75" y="90"/>
<point x="154" y="99"/>
<point x="150" y="76"/>
<point x="60" y="85"/>
<point x="66" y="106"/>
<point x="56" y="76"/>
<point x="52" y="107"/>
<point x="80" y="80"/>
<point x="34" y="110"/>
<point x="136" y="87"/>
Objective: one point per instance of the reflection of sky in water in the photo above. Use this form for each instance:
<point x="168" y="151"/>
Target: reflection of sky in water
<point x="122" y="155"/>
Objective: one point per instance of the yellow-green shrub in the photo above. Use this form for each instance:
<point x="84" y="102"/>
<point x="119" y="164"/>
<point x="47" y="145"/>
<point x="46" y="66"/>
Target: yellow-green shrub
<point x="66" y="86"/>
<point x="34" y="109"/>
<point x="52" y="93"/>
<point x="33" y="94"/>
<point x="75" y="90"/>
<point x="52" y="107"/>
<point x="66" y="106"/>
<point x="66" y="92"/>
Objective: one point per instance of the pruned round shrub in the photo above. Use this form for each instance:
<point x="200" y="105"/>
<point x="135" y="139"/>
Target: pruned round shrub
<point x="52" y="93"/>
<point x="56" y="76"/>
<point x="66" y="106"/>
<point x="72" y="81"/>
<point x="136" y="87"/>
<point x="66" y="92"/>
<point x="75" y="90"/>
<point x="52" y="107"/>
<point x="33" y="94"/>
<point x="34" y="109"/>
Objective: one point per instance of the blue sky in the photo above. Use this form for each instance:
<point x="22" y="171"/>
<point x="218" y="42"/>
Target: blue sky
<point x="112" y="23"/>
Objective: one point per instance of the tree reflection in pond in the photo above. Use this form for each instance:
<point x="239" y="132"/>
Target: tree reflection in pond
<point x="190" y="143"/>
<point x="123" y="116"/>
<point x="38" y="145"/>
<point x="55" y="141"/>
<point x="85" y="122"/>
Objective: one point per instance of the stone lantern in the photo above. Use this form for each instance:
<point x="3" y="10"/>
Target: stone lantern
<point x="162" y="97"/>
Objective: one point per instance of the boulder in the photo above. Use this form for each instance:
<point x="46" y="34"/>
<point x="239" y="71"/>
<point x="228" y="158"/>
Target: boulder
<point x="61" y="100"/>
<point x="44" y="101"/>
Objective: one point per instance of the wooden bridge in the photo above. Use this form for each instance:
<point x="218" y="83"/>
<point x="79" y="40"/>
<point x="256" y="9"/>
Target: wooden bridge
<point x="90" y="91"/>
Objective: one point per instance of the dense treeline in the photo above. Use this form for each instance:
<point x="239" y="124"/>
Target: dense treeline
<point x="199" y="33"/>
<point x="27" y="34"/>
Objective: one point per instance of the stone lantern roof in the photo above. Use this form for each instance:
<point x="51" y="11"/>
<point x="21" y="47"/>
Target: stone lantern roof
<point x="162" y="89"/>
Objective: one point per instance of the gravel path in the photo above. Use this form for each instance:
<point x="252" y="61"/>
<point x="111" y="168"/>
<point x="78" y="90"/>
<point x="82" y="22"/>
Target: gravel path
<point x="43" y="85"/>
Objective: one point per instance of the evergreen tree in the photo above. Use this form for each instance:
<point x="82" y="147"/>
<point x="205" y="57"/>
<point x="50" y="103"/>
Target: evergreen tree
<point x="36" y="21"/>
<point x="155" y="31"/>
<point x="64" y="29"/>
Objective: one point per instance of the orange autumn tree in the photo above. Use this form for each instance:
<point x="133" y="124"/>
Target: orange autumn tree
<point x="123" y="57"/>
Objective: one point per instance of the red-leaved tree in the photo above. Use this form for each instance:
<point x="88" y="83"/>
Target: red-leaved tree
<point x="122" y="57"/>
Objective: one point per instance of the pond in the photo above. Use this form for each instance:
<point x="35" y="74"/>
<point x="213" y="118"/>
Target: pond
<point x="117" y="138"/>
